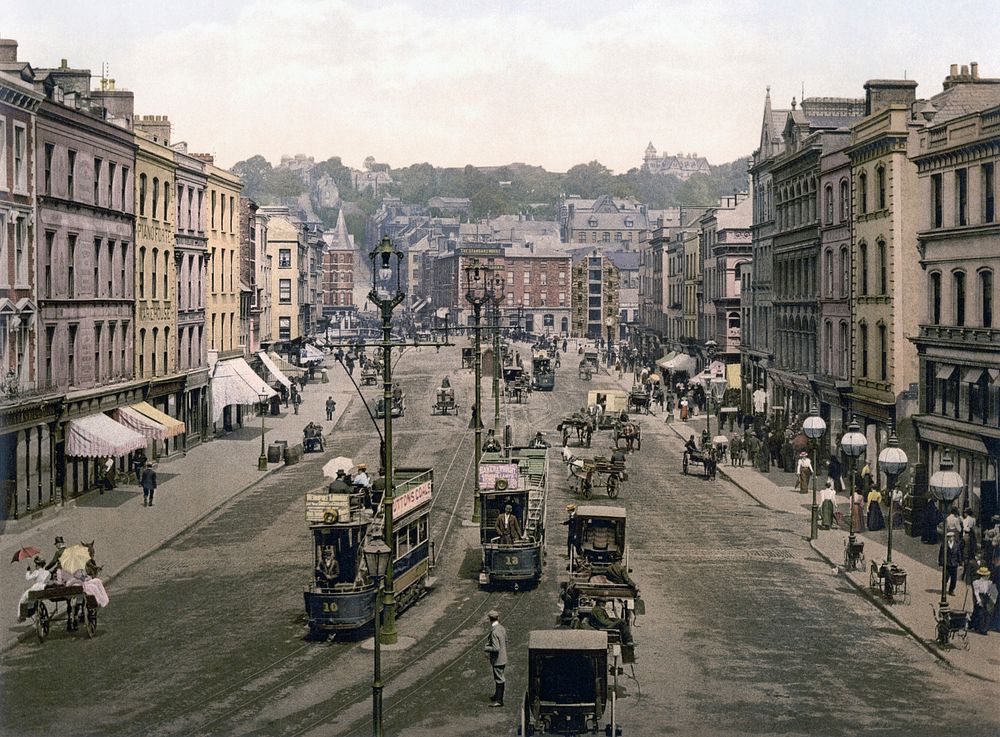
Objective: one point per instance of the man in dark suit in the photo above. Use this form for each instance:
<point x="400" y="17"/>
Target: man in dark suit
<point x="950" y="556"/>
<point x="148" y="485"/>
<point x="496" y="648"/>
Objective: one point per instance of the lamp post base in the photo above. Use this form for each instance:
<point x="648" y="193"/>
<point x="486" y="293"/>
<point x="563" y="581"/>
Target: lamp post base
<point x="262" y="463"/>
<point x="814" y="522"/>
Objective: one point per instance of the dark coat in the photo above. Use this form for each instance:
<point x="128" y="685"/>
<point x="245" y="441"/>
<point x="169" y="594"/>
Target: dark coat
<point x="148" y="478"/>
<point x="955" y="556"/>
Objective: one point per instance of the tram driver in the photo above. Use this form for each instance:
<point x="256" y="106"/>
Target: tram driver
<point x="328" y="570"/>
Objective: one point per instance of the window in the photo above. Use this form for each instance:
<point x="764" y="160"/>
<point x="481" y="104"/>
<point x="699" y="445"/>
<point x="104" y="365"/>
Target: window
<point x="936" y="200"/>
<point x="285" y="291"/>
<point x="883" y="273"/>
<point x="71" y="265"/>
<point x="156" y="195"/>
<point x="222" y="213"/>
<point x="166" y="348"/>
<point x="986" y="297"/>
<point x="232" y="209"/>
<point x="845" y="202"/>
<point x="284" y="258"/>
<point x="863" y="340"/>
<point x="190" y="222"/>
<point x="880" y="184"/>
<point x="828" y="345"/>
<point x="962" y="196"/>
<point x="606" y="237"/>
<point x="845" y="348"/>
<point x="49" y="150"/>
<point x="98" y="165"/>
<point x="166" y="274"/>
<point x="152" y="281"/>
<point x="845" y="272"/>
<point x="958" y="280"/>
<point x="152" y="354"/>
<point x="111" y="268"/>
<point x="98" y="374"/>
<point x="166" y="200"/>
<point x="989" y="193"/>
<point x="935" y="298"/>
<point x="581" y="237"/>
<point x="863" y="269"/>
<point x="50" y="239"/>
<point x="284" y="328"/>
<point x="142" y="352"/>
<point x="828" y="265"/>
<point x="863" y="193"/>
<point x="70" y="174"/>
<point x="618" y="236"/>
<point x="126" y="292"/>
<point x="111" y="183"/>
<point x="124" y="187"/>
<point x="213" y="209"/>
<point x="883" y="352"/>
<point x="126" y="340"/>
<point x="142" y="195"/>
<point x="50" y="336"/>
<point x="71" y="355"/>
<point x="20" y="158"/>
<point x="828" y="194"/>
<point x="526" y="277"/>
<point x="180" y="203"/>
<point x="111" y="349"/>
<point x="97" y="266"/>
<point x="142" y="272"/>
<point x="3" y="153"/>
<point x="21" y="251"/>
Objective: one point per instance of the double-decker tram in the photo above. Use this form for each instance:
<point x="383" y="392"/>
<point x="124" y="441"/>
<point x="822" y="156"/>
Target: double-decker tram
<point x="543" y="374"/>
<point x="512" y="527"/>
<point x="342" y="594"/>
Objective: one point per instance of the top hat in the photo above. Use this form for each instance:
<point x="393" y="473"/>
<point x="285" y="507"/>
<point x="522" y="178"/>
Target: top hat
<point x="59" y="540"/>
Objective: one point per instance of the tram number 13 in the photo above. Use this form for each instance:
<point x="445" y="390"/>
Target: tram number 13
<point x="329" y="606"/>
<point x="510" y="560"/>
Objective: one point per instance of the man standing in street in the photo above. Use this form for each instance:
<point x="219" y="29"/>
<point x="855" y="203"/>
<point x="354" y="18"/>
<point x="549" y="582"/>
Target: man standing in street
<point x="148" y="485"/>
<point x="496" y="648"/>
<point x="331" y="407"/>
<point x="950" y="556"/>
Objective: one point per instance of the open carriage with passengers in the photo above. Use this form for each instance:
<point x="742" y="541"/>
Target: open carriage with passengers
<point x="341" y="595"/>
<point x="512" y="527"/>
<point x="568" y="691"/>
<point x="369" y="373"/>
<point x="704" y="458"/>
<point x="444" y="401"/>
<point x="598" y="472"/>
<point x="639" y="398"/>
<point x="397" y="404"/>
<point x="75" y="587"/>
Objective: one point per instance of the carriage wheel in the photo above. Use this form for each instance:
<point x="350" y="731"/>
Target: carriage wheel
<point x="585" y="489"/>
<point x="638" y="442"/>
<point x="41" y="621"/>
<point x="684" y="465"/>
<point x="614" y="485"/>
<point x="90" y="621"/>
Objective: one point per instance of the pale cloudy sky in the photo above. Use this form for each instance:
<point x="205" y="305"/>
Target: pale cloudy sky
<point x="454" y="82"/>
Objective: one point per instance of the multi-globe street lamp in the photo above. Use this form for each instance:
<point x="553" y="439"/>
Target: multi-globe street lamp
<point x="386" y="294"/>
<point x="478" y="292"/>
<point x="262" y="460"/>
<point x="854" y="444"/>
<point x="814" y="427"/>
<point x="609" y="322"/>
<point x="497" y="297"/>
<point x="892" y="461"/>
<point x="377" y="556"/>
<point x="945" y="486"/>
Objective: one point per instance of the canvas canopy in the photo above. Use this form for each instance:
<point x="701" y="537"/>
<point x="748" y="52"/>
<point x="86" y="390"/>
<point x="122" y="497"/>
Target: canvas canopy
<point x="288" y="369"/>
<point x="98" y="435"/>
<point x="273" y="369"/>
<point x="173" y="427"/>
<point x="234" y="382"/>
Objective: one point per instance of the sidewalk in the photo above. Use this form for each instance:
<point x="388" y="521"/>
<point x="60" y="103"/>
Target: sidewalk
<point x="189" y="488"/>
<point x="774" y="490"/>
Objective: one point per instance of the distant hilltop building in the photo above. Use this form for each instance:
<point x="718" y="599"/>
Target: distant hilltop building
<point x="680" y="165"/>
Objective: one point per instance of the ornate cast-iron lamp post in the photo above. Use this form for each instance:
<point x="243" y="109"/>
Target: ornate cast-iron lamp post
<point x="386" y="294"/>
<point x="945" y="486"/>
<point x="497" y="294"/>
<point x="262" y="461"/>
<point x="478" y="293"/>
<point x="814" y="427"/>
<point x="377" y="555"/>
<point x="854" y="444"/>
<point x="892" y="461"/>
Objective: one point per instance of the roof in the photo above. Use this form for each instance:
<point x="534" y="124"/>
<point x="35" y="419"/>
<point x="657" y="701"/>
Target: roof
<point x="624" y="260"/>
<point x="568" y="640"/>
<point x="595" y="510"/>
<point x="608" y="220"/>
<point x="963" y="99"/>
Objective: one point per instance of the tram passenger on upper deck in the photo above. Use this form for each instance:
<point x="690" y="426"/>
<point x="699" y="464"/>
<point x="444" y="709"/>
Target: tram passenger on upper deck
<point x="361" y="478"/>
<point x="328" y="570"/>
<point x="508" y="527"/>
<point x="340" y="485"/>
<point x="491" y="444"/>
<point x="538" y="441"/>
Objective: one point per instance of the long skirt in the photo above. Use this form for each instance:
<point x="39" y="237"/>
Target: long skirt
<point x="980" y="620"/>
<point x="876" y="521"/>
<point x="858" y="517"/>
<point x="826" y="514"/>
<point x="804" y="477"/>
<point x="897" y="515"/>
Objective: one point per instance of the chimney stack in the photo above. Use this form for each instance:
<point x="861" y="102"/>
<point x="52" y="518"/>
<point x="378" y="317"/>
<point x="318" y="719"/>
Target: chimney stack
<point x="8" y="51"/>
<point x="974" y="67"/>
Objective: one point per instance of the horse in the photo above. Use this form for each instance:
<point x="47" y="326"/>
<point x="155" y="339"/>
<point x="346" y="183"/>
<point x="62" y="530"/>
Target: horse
<point x="91" y="568"/>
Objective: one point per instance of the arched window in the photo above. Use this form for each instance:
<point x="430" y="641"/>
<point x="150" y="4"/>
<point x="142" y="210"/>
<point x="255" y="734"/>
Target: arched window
<point x="166" y="274"/>
<point x="166" y="199"/>
<point x="845" y="271"/>
<point x="958" y="286"/>
<point x="142" y="352"/>
<point x="986" y="298"/>
<point x="863" y="269"/>
<point x="152" y="363"/>
<point x="935" y="298"/>
<point x="142" y="272"/>
<point x="828" y="266"/>
<point x="152" y="279"/>
<point x="863" y="344"/>
<point x="166" y="349"/>
<point x="863" y="193"/>
<point x="156" y="195"/>
<point x="883" y="273"/>
<point x="845" y="201"/>
<point x="142" y="195"/>
<point x="845" y="351"/>
<point x="880" y="184"/>
<point x="828" y="194"/>
<point x="883" y="352"/>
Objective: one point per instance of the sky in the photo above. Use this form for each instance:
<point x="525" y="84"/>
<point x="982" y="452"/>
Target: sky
<point x="553" y="83"/>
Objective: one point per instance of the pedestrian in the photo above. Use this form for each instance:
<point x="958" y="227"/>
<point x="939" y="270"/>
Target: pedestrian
<point x="496" y="649"/>
<point x="828" y="506"/>
<point x="984" y="601"/>
<point x="950" y="556"/>
<point x="138" y="463"/>
<point x="857" y="511"/>
<point x="970" y="545"/>
<point x="735" y="451"/>
<point x="932" y="518"/>
<point x="804" y="470"/>
<point x="148" y="485"/>
<point x="835" y="473"/>
<point x="684" y="409"/>
<point x="874" y="518"/>
<point x="296" y="401"/>
<point x="109" y="474"/>
<point x="331" y="407"/>
<point x="953" y="523"/>
<point x="570" y="532"/>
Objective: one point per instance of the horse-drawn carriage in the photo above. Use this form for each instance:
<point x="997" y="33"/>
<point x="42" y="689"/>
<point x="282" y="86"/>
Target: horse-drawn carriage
<point x="516" y="386"/>
<point x="444" y="402"/>
<point x="584" y="371"/>
<point x="601" y="471"/>
<point x="591" y="357"/>
<point x="704" y="458"/>
<point x="369" y="373"/>
<point x="398" y="405"/>
<point x="581" y="424"/>
<point x="312" y="438"/>
<point x="468" y="357"/>
<point x="639" y="398"/>
<point x="629" y="433"/>
<point x="76" y="587"/>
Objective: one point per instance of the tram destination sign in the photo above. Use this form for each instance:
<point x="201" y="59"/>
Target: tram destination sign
<point x="489" y="473"/>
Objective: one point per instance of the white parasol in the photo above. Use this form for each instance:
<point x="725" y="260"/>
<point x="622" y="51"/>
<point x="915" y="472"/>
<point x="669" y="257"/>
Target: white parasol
<point x="340" y="463"/>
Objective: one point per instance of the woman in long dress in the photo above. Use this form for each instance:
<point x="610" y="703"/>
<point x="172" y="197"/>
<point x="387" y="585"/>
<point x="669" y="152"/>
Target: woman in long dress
<point x="829" y="504"/>
<point x="932" y="518"/>
<point x="858" y="511"/>
<point x="875" y="519"/>
<point x="896" y="511"/>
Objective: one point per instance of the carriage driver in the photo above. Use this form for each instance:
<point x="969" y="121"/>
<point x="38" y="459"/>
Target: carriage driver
<point x="328" y="570"/>
<point x="445" y="391"/>
<point x="508" y="527"/>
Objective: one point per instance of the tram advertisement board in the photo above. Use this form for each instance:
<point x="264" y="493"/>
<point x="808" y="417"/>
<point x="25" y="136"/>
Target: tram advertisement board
<point x="490" y="472"/>
<point x="411" y="498"/>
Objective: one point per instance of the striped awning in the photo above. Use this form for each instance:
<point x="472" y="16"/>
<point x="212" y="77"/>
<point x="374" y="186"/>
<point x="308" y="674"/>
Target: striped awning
<point x="273" y="369"/>
<point x="288" y="369"/>
<point x="143" y="425"/>
<point x="173" y="426"/>
<point x="234" y="382"/>
<point x="98" y="436"/>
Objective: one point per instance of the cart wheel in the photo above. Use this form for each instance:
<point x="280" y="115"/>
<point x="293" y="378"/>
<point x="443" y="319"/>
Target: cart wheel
<point x="90" y="620"/>
<point x="585" y="489"/>
<point x="41" y="621"/>
<point x="613" y="486"/>
<point x="638" y="443"/>
<point x="684" y="465"/>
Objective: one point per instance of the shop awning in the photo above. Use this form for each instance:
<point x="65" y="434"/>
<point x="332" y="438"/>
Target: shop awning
<point x="662" y="362"/>
<point x="973" y="375"/>
<point x="143" y="425"/>
<point x="945" y="371"/>
<point x="288" y="369"/>
<point x="174" y="427"/>
<point x="234" y="382"/>
<point x="98" y="436"/>
<point x="311" y="353"/>
<point x="272" y="369"/>
<point x="682" y="362"/>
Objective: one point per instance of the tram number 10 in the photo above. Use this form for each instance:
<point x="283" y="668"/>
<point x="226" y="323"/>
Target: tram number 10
<point x="329" y="606"/>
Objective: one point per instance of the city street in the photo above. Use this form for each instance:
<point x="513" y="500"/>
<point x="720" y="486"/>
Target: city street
<point x="747" y="630"/>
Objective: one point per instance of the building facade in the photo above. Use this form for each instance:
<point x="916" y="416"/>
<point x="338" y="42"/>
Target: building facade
<point x="285" y="247"/>
<point x="223" y="289"/>
<point x="595" y="297"/>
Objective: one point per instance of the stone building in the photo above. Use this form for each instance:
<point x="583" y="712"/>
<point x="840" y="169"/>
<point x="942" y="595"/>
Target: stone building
<point x="596" y="284"/>
<point x="338" y="275"/>
<point x="682" y="166"/>
<point x="604" y="223"/>
<point x="956" y="150"/>
<point x="285" y="247"/>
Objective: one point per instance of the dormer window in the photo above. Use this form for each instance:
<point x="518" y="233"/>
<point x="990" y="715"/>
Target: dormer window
<point x="592" y="222"/>
<point x="629" y="222"/>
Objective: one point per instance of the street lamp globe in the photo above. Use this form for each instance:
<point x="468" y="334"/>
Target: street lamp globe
<point x="892" y="461"/>
<point x="946" y="484"/>
<point x="718" y="387"/>
<point x="814" y="426"/>
<point x="477" y="286"/>
<point x="382" y="271"/>
<point x="377" y="555"/>
<point x="854" y="443"/>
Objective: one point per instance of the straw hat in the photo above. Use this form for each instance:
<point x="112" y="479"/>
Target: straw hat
<point x="983" y="571"/>
<point x="570" y="507"/>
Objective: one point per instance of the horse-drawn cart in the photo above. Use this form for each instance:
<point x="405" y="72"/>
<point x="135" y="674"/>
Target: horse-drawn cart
<point x="81" y="607"/>
<point x="444" y="402"/>
<point x="702" y="458"/>
<point x="580" y="424"/>
<point x="630" y="433"/>
<point x="638" y="399"/>
<point x="312" y="438"/>
<point x="369" y="374"/>
<point x="601" y="471"/>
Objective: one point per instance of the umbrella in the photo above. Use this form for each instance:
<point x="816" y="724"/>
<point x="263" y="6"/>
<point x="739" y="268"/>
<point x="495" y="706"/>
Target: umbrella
<point x="720" y="440"/>
<point x="24" y="553"/>
<point x="74" y="558"/>
<point x="800" y="442"/>
<point x="340" y="463"/>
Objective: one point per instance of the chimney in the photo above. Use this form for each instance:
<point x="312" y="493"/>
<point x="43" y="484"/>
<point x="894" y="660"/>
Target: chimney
<point x="974" y="68"/>
<point x="8" y="51"/>
<point x="880" y="93"/>
<point x="965" y="70"/>
<point x="954" y="70"/>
